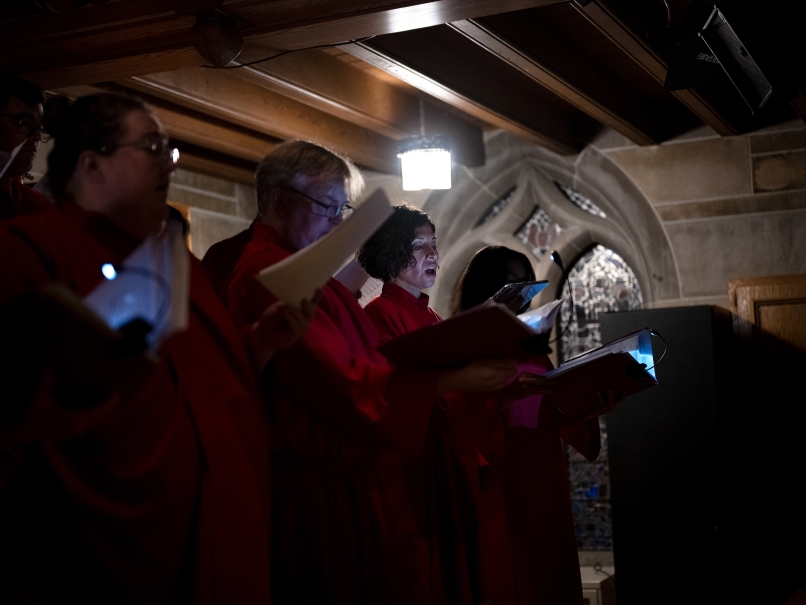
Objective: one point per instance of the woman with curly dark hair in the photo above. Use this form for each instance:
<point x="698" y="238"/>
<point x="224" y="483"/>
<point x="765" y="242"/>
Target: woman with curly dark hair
<point x="444" y="484"/>
<point x="403" y="254"/>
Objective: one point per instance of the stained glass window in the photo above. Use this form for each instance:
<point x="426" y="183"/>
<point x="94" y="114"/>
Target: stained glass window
<point x="496" y="208"/>
<point x="601" y="282"/>
<point x="580" y="201"/>
<point x="539" y="233"/>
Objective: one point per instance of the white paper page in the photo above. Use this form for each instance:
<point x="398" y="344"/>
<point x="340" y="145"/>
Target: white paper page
<point x="352" y="276"/>
<point x="152" y="284"/>
<point x="7" y="158"/>
<point x="542" y="319"/>
<point x="297" y="277"/>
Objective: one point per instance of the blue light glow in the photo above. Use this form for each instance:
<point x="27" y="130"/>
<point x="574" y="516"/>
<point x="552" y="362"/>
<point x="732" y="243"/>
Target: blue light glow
<point x="109" y="271"/>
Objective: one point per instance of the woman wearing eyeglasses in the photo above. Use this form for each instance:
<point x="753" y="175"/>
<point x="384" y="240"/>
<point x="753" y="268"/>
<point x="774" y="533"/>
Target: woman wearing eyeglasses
<point x="162" y="495"/>
<point x="20" y="127"/>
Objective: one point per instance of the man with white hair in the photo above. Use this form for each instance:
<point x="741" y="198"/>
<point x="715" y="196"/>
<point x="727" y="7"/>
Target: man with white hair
<point x="343" y="530"/>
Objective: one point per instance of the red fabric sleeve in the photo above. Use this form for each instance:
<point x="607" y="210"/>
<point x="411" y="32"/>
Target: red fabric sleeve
<point x="390" y="407"/>
<point x="334" y="370"/>
<point x="387" y="318"/>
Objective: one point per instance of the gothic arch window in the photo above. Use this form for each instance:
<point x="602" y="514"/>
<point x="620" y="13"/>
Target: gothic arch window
<point x="539" y="233"/>
<point x="601" y="282"/>
<point x="496" y="207"/>
<point x="580" y="201"/>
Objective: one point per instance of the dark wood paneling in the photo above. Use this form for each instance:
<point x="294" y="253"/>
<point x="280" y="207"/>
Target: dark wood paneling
<point x="445" y="63"/>
<point x="131" y="37"/>
<point x="228" y="96"/>
<point x="529" y="44"/>
<point x="342" y="90"/>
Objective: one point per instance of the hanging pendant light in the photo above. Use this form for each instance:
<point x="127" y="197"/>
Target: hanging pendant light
<point x="425" y="162"/>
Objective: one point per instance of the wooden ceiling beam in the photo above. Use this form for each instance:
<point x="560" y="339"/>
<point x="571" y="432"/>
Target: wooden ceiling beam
<point x="215" y="148"/>
<point x="375" y="23"/>
<point x="231" y="97"/>
<point x="446" y="92"/>
<point x="622" y="112"/>
<point x="132" y="37"/>
<point x="333" y="86"/>
<point x="191" y="127"/>
<point x="607" y="22"/>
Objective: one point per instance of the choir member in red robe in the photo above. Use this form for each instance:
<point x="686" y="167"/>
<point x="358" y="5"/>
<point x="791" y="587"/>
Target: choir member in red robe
<point x="525" y="496"/>
<point x="403" y="254"/>
<point x="445" y="481"/>
<point x="343" y="529"/>
<point x="21" y="117"/>
<point x="164" y="497"/>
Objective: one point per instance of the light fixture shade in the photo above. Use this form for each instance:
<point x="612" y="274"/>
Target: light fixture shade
<point x="425" y="163"/>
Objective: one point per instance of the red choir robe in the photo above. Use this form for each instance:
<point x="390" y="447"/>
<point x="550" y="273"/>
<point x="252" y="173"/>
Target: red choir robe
<point x="221" y="258"/>
<point x="166" y="498"/>
<point x="343" y="530"/>
<point x="438" y="480"/>
<point x="526" y="496"/>
<point x="17" y="199"/>
<point x="527" y="545"/>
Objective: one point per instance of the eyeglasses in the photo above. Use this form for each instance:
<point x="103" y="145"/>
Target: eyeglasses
<point x="154" y="145"/>
<point x="325" y="209"/>
<point x="28" y="127"/>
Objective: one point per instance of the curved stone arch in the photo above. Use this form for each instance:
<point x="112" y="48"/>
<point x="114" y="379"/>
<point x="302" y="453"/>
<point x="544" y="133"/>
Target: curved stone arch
<point x="632" y="228"/>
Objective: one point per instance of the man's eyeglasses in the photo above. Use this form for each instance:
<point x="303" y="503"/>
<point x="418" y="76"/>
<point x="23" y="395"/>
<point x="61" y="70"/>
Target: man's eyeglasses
<point x="156" y="146"/>
<point x="324" y="209"/>
<point x="28" y="127"/>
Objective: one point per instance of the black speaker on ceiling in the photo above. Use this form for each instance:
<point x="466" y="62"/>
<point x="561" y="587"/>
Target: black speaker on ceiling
<point x="711" y="53"/>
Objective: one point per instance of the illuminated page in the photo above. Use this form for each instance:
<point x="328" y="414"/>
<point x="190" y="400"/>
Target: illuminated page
<point x="297" y="277"/>
<point x="352" y="276"/>
<point x="542" y="319"/>
<point x="152" y="284"/>
<point x="638" y="345"/>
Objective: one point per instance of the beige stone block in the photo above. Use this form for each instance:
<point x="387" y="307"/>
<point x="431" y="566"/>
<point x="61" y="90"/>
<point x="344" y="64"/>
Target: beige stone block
<point x="710" y="252"/>
<point x="779" y="172"/>
<point x="688" y="171"/>
<point x="203" y="182"/>
<point x="700" y="132"/>
<point x="768" y="202"/>
<point x="778" y="141"/>
<point x="608" y="138"/>
<point x="247" y="202"/>
<point x="196" y="198"/>
<point x="207" y="228"/>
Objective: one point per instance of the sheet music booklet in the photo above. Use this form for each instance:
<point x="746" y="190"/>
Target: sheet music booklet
<point x="152" y="284"/>
<point x="638" y="345"/>
<point x="542" y="319"/>
<point x="298" y="276"/>
<point x="625" y="365"/>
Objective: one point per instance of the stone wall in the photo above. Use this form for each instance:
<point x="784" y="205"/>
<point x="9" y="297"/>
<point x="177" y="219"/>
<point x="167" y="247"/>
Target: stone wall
<point x="688" y="215"/>
<point x="731" y="206"/>
<point x="218" y="208"/>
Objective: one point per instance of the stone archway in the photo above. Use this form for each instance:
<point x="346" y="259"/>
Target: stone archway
<point x="630" y="226"/>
